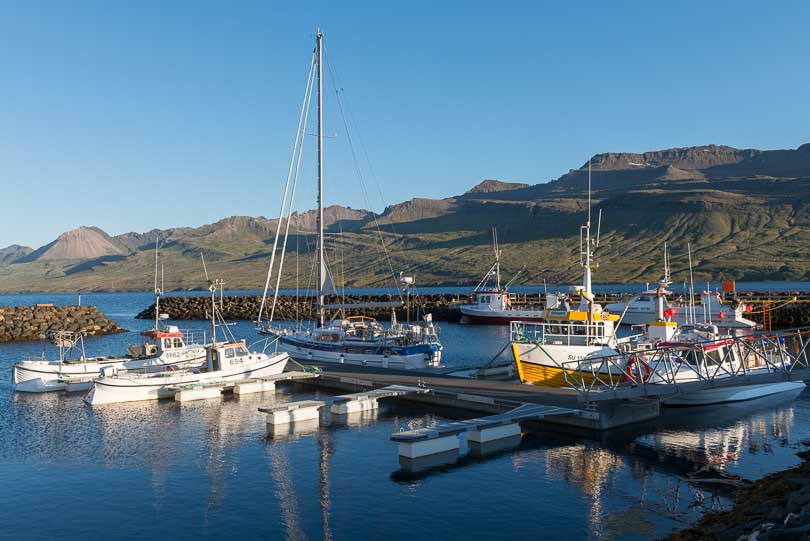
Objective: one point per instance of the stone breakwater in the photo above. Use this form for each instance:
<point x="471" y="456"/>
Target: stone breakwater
<point x="246" y="307"/>
<point x="776" y="311"/>
<point x="33" y="322"/>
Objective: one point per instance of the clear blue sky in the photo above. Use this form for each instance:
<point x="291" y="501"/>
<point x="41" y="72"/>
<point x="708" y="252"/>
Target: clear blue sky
<point x="135" y="115"/>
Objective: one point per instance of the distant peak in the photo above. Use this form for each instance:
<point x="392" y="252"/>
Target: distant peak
<point x="490" y="185"/>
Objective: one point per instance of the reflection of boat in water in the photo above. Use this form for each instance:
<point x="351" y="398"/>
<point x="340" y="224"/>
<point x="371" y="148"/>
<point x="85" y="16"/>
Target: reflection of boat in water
<point x="225" y="362"/>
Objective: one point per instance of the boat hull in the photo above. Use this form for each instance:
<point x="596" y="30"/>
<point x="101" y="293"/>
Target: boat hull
<point x="470" y="316"/>
<point x="741" y="393"/>
<point x="404" y="358"/>
<point x="44" y="376"/>
<point x="541" y="365"/>
<point x="643" y="317"/>
<point x="116" y="389"/>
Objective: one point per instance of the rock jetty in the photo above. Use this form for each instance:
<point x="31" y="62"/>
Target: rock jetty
<point x="246" y="307"/>
<point x="19" y="323"/>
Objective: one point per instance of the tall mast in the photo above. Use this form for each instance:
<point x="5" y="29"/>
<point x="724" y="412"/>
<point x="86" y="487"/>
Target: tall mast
<point x="587" y="262"/>
<point x="321" y="266"/>
<point x="158" y="292"/>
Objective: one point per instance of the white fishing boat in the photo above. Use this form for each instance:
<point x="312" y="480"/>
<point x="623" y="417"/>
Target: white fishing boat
<point x="492" y="304"/>
<point x="225" y="362"/>
<point x="163" y="347"/>
<point x="641" y="308"/>
<point x="359" y="340"/>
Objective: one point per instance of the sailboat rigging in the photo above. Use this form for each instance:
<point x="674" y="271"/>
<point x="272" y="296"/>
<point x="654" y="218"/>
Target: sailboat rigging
<point x="353" y="340"/>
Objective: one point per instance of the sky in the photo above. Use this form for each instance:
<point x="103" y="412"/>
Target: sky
<point x="135" y="115"/>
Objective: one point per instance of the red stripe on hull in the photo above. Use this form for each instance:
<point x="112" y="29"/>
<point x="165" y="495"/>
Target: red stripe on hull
<point x="494" y="320"/>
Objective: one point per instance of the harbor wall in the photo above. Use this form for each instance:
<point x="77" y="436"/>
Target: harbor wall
<point x="776" y="310"/>
<point x="18" y="323"/>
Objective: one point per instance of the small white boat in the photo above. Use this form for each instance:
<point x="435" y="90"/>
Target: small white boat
<point x="225" y="362"/>
<point x="492" y="304"/>
<point x="162" y="349"/>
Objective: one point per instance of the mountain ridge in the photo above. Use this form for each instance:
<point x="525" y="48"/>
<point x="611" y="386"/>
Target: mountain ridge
<point x="745" y="212"/>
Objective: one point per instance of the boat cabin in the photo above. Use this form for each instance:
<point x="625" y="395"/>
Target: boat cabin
<point x="576" y="328"/>
<point x="492" y="300"/>
<point x="158" y="341"/>
<point x="226" y="355"/>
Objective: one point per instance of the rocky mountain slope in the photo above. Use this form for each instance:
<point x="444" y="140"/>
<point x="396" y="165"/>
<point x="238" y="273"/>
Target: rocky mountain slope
<point x="746" y="214"/>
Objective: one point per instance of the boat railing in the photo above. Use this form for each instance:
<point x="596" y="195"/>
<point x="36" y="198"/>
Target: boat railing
<point x="194" y="336"/>
<point x="780" y="355"/>
<point x="563" y="333"/>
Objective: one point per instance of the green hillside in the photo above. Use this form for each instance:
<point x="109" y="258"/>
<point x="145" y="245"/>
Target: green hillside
<point x="745" y="212"/>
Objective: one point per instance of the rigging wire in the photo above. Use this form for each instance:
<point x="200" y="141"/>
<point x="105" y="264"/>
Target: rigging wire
<point x="299" y="139"/>
<point x="359" y="170"/>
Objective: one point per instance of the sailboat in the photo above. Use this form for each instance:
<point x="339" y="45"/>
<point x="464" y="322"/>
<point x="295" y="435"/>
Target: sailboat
<point x="164" y="347"/>
<point x="492" y="304"/>
<point x="359" y="340"/>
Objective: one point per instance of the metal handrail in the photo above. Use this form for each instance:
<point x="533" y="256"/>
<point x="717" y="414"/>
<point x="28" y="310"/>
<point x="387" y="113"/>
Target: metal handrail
<point x="743" y="356"/>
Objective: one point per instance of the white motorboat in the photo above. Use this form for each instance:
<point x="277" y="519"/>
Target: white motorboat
<point x="163" y="348"/>
<point x="358" y="340"/>
<point x="492" y="304"/>
<point x="225" y="362"/>
<point x="641" y="310"/>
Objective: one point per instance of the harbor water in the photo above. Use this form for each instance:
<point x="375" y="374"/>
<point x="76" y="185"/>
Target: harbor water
<point x="209" y="469"/>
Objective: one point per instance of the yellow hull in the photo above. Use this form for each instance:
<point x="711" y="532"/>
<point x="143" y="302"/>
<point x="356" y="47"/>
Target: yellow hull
<point x="551" y="376"/>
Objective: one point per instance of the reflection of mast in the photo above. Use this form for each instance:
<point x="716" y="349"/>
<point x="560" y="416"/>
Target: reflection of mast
<point x="325" y="451"/>
<point x="285" y="492"/>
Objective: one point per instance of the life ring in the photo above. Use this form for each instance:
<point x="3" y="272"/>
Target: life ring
<point x="630" y="374"/>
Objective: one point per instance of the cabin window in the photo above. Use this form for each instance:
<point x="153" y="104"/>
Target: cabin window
<point x="167" y="343"/>
<point x="643" y="299"/>
<point x="229" y="353"/>
<point x="178" y="343"/>
<point x="241" y="351"/>
<point x="713" y="357"/>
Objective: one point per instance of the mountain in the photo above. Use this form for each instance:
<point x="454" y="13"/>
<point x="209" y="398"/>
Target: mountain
<point x="13" y="253"/>
<point x="745" y="212"/>
<point x="80" y="243"/>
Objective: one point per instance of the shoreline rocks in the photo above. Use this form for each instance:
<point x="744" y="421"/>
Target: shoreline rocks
<point x="775" y="507"/>
<point x="22" y="323"/>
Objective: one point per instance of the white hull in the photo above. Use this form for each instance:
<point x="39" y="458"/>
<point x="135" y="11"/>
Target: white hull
<point x="723" y="395"/>
<point x="402" y="362"/>
<point x="493" y="316"/>
<point x="43" y="376"/>
<point x="730" y="320"/>
<point x="115" y="389"/>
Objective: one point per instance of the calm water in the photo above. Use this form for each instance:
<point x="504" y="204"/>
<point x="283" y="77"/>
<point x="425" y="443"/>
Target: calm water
<point x="209" y="469"/>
